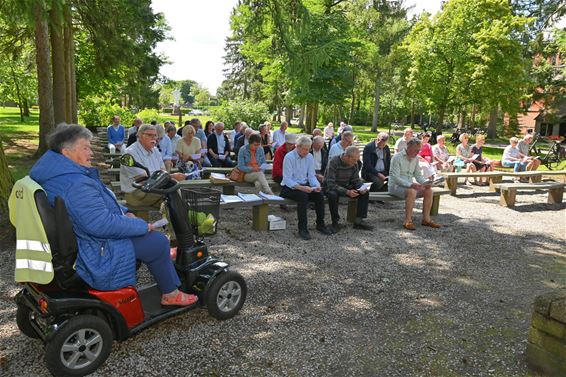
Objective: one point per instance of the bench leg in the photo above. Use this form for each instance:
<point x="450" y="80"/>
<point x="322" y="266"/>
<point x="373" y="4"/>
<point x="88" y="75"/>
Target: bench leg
<point x="507" y="198"/>
<point x="555" y="195"/>
<point x="435" y="205"/>
<point x="451" y="183"/>
<point x="229" y="190"/>
<point x="536" y="178"/>
<point x="493" y="181"/>
<point x="259" y="217"/>
<point x="352" y="210"/>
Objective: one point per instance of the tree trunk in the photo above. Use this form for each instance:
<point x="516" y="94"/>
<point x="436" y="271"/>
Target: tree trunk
<point x="352" y="106"/>
<point x="441" y="112"/>
<point x="462" y="118"/>
<point x="473" y="116"/>
<point x="26" y="107"/>
<point x="70" y="85"/>
<point x="492" y="124"/>
<point x="18" y="93"/>
<point x="288" y="113"/>
<point x="6" y="183"/>
<point x="59" y="68"/>
<point x="376" y="107"/>
<point x="302" y="116"/>
<point x="44" y="83"/>
<point x="412" y="113"/>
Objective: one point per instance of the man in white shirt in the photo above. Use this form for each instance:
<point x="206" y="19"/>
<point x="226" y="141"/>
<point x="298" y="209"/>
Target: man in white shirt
<point x="172" y="134"/>
<point x="146" y="153"/>
<point x="339" y="148"/>
<point x="405" y="167"/>
<point x="532" y="162"/>
<point x="279" y="136"/>
<point x="401" y="144"/>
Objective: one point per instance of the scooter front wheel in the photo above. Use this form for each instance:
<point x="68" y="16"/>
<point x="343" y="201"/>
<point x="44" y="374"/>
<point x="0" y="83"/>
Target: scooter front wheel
<point x="226" y="295"/>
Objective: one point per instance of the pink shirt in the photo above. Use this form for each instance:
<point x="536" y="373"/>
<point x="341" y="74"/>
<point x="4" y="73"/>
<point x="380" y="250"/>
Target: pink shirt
<point x="426" y="152"/>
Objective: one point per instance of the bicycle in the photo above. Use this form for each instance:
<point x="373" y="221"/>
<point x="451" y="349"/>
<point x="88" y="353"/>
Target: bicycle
<point x="555" y="155"/>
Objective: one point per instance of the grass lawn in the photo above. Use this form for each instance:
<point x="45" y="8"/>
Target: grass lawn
<point x="19" y="140"/>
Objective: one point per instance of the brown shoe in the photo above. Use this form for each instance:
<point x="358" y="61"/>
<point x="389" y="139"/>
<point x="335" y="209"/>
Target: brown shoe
<point x="431" y="224"/>
<point x="409" y="225"/>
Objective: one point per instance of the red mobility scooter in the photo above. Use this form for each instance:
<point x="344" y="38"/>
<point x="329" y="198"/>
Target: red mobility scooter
<point x="78" y="324"/>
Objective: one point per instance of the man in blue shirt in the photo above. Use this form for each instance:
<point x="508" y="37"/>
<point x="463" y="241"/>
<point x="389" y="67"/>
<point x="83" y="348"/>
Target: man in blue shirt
<point x="300" y="184"/>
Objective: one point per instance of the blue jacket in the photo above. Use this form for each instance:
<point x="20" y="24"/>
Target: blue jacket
<point x="106" y="258"/>
<point x="245" y="155"/>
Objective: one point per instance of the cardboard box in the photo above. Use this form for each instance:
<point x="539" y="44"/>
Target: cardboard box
<point x="276" y="223"/>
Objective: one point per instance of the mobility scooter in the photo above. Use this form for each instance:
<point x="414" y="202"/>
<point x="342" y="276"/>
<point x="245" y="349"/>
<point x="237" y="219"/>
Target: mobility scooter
<point x="78" y="324"/>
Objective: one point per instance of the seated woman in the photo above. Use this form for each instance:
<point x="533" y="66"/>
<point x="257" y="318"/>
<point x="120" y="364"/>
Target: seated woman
<point x="109" y="238"/>
<point x="481" y="164"/>
<point x="208" y="128"/>
<point x="250" y="159"/>
<point x="441" y="155"/>
<point x="265" y="141"/>
<point x="512" y="157"/>
<point x="188" y="149"/>
<point x="464" y="153"/>
<point x="426" y="162"/>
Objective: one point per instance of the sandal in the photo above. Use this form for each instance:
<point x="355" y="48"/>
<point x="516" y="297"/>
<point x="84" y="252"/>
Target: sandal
<point x="180" y="299"/>
<point x="409" y="225"/>
<point x="431" y="224"/>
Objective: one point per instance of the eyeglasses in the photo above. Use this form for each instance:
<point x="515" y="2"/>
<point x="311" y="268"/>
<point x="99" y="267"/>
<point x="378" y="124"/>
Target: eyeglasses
<point x="152" y="136"/>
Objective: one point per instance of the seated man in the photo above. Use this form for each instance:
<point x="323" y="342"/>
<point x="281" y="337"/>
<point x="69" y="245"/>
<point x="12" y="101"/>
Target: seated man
<point x="343" y="128"/>
<point x="234" y="135"/>
<point x="174" y="138"/>
<point x="116" y="134"/>
<point x="219" y="147"/>
<point x="277" y="169"/>
<point x="532" y="162"/>
<point x="347" y="139"/>
<point x="146" y="153"/>
<point x="278" y="138"/>
<point x="320" y="157"/>
<point x="342" y="178"/>
<point x="164" y="146"/>
<point x="133" y="132"/>
<point x="377" y="159"/>
<point x="401" y="144"/>
<point x="300" y="184"/>
<point x="243" y="140"/>
<point x="405" y="167"/>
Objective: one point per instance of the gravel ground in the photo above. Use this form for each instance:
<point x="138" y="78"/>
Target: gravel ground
<point x="449" y="302"/>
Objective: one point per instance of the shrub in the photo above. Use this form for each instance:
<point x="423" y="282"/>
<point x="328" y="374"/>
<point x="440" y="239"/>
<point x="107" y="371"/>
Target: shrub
<point x="96" y="111"/>
<point x="147" y="115"/>
<point x="253" y="113"/>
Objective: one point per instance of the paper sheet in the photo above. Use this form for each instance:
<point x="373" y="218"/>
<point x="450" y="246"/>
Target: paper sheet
<point x="270" y="197"/>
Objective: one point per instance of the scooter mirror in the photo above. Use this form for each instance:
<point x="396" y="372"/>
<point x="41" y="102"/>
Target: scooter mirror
<point x="127" y="160"/>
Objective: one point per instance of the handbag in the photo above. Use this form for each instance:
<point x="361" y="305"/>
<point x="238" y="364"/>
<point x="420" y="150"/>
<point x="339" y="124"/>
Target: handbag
<point x="236" y="175"/>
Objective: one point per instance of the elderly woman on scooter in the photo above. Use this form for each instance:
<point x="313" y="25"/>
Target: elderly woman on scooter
<point x="109" y="238"/>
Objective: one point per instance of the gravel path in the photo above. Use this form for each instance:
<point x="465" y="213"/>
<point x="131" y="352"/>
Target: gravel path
<point x="449" y="302"/>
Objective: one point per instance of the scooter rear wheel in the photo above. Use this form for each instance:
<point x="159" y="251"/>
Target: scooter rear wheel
<point x="226" y="295"/>
<point x="23" y="320"/>
<point x="79" y="347"/>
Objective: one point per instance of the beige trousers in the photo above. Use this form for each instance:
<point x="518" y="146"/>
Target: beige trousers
<point x="258" y="179"/>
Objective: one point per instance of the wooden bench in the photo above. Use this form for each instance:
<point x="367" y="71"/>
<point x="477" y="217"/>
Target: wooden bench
<point x="387" y="197"/>
<point x="509" y="191"/>
<point x="451" y="179"/>
<point x="496" y="177"/>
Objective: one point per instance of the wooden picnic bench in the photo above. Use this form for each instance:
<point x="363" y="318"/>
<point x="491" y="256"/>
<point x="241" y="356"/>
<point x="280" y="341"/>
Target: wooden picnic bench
<point x="387" y="197"/>
<point x="496" y="177"/>
<point x="509" y="191"/>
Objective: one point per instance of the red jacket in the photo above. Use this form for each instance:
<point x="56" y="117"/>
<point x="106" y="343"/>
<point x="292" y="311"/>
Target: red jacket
<point x="277" y="170"/>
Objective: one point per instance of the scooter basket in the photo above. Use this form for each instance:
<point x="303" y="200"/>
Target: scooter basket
<point x="204" y="209"/>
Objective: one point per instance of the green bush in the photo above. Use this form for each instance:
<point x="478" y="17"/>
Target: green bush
<point x="96" y="111"/>
<point x="167" y="111"/>
<point x="253" y="113"/>
<point x="148" y="115"/>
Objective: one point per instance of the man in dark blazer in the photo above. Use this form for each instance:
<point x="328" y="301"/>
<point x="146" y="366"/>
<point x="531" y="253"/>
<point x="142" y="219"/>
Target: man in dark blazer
<point x="376" y="162"/>
<point x="219" y="147"/>
<point x="320" y="155"/>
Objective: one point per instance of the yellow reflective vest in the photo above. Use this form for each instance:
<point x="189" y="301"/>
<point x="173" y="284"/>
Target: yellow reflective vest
<point x="33" y="253"/>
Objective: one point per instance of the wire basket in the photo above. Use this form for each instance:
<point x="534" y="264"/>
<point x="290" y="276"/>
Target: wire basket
<point x="204" y="209"/>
